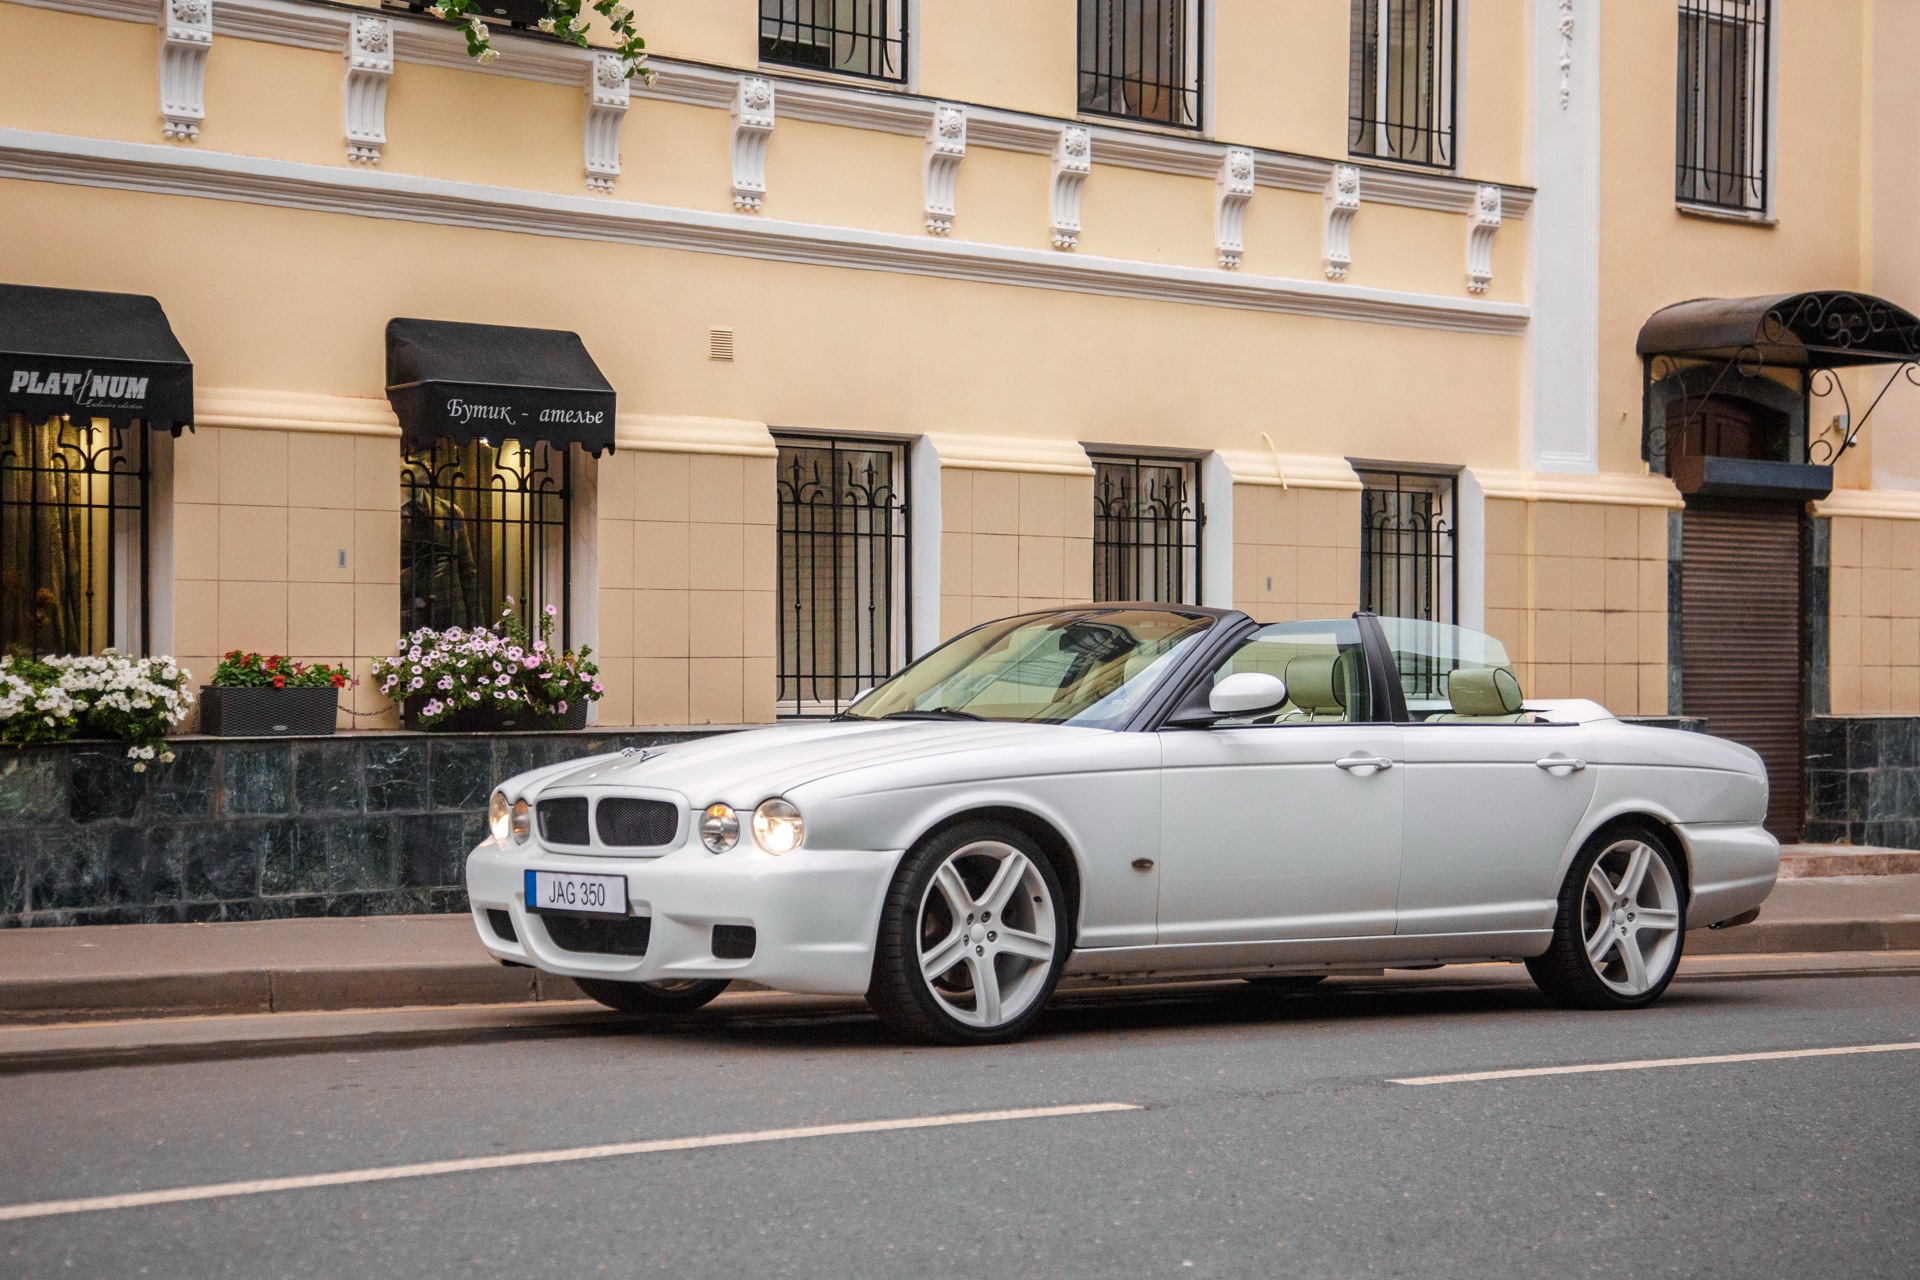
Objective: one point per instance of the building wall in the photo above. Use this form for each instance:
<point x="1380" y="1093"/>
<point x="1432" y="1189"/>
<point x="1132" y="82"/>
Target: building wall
<point x="1296" y="551"/>
<point x="1012" y="541"/>
<point x="1873" y="636"/>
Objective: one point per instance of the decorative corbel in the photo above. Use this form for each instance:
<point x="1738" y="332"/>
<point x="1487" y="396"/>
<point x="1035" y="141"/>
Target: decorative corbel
<point x="752" y="126"/>
<point x="1072" y="162"/>
<point x="609" y="93"/>
<point x="369" y="68"/>
<point x="946" y="147"/>
<point x="1481" y="224"/>
<point x="1340" y="200"/>
<point x="186" y="33"/>
<point x="1233" y="189"/>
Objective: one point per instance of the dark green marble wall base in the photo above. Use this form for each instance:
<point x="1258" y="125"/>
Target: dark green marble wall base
<point x="258" y="829"/>
<point x="1863" y="781"/>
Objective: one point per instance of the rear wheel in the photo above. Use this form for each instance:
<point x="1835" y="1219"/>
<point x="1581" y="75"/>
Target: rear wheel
<point x="1621" y="926"/>
<point x="972" y="938"/>
<point x="655" y="999"/>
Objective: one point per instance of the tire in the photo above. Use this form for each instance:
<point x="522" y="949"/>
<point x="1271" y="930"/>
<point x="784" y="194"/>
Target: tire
<point x="1614" y="949"/>
<point x="652" y="999"/>
<point x="933" y="952"/>
<point x="1281" y="982"/>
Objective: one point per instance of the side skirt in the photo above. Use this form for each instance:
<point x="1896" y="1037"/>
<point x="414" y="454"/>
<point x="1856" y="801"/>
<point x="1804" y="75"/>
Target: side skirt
<point x="1307" y="955"/>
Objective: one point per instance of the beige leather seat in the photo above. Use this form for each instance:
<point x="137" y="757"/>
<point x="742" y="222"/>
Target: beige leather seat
<point x="1483" y="695"/>
<point x="1316" y="688"/>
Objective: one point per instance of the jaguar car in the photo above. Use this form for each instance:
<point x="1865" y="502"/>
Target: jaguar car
<point x="1134" y="793"/>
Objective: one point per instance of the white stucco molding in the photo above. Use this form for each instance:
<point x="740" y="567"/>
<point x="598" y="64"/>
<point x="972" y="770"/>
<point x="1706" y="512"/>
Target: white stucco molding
<point x="379" y="193"/>
<point x="1482" y="223"/>
<point x="1010" y="453"/>
<point x="946" y="148"/>
<point x="364" y="95"/>
<point x="1339" y="202"/>
<point x="752" y="127"/>
<point x="608" y="94"/>
<point x="1232" y="191"/>
<point x="186" y="35"/>
<point x="1870" y="504"/>
<point x="659" y="433"/>
<point x="1611" y="488"/>
<point x="256" y="409"/>
<point x="1072" y="162"/>
<point x="1290" y="470"/>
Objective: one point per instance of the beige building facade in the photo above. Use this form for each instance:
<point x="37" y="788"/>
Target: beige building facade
<point x="920" y="312"/>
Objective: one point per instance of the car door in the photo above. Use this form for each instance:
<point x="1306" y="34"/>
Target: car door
<point x="1284" y="826"/>
<point x="1493" y="793"/>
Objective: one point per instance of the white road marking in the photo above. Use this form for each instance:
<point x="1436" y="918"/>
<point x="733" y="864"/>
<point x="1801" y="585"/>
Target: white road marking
<point x="1646" y="1064"/>
<point x="348" y="1177"/>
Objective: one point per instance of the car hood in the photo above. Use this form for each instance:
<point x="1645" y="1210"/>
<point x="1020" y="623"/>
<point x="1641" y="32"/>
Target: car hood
<point x="742" y="769"/>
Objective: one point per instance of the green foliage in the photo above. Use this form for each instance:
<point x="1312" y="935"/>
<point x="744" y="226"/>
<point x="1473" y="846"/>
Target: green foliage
<point x="564" y="19"/>
<point x="245" y="670"/>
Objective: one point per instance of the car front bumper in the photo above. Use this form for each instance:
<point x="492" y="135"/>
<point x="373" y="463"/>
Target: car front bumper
<point x="815" y="913"/>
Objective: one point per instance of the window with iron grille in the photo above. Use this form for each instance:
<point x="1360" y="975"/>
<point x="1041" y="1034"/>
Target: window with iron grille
<point x="482" y="524"/>
<point x="1146" y="529"/>
<point x="851" y="37"/>
<point x="1720" y="148"/>
<point x="1141" y="59"/>
<point x="73" y="535"/>
<point x="844" y="574"/>
<point x="1407" y="563"/>
<point x="1401" y="87"/>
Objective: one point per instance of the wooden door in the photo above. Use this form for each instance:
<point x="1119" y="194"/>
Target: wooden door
<point x="1740" y="661"/>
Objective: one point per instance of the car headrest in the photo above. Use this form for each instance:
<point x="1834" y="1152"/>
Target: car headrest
<point x="1483" y="691"/>
<point x="1314" y="683"/>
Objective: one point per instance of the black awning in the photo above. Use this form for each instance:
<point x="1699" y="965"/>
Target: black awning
<point x="1825" y="330"/>
<point x="461" y="382"/>
<point x="75" y="353"/>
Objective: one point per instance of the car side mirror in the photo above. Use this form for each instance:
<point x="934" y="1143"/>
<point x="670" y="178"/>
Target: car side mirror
<point x="1247" y="693"/>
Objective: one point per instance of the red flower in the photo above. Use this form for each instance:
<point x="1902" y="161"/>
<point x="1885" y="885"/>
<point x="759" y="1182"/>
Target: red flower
<point x="279" y="682"/>
<point x="338" y="681"/>
<point x="273" y="663"/>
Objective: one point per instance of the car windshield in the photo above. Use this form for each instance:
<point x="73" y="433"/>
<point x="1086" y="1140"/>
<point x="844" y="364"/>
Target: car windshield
<point x="1088" y="667"/>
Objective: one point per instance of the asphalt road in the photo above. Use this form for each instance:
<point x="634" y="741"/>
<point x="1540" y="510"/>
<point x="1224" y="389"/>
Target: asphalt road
<point x="1267" y="1136"/>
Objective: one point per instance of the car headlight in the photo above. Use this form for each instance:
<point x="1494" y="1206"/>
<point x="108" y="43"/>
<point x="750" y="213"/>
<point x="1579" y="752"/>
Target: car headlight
<point x="719" y="828"/>
<point x="777" y="827"/>
<point x="521" y="821"/>
<point x="497" y="815"/>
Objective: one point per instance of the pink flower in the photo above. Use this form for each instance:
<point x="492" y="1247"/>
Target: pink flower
<point x="561" y="708"/>
<point x="551" y="611"/>
<point x="597" y="688"/>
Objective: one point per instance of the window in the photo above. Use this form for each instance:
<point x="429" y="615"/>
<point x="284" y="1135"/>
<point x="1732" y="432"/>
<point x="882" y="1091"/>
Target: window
<point x="1322" y="664"/>
<point x="1141" y="59"/>
<point x="1401" y="87"/>
<point x="844" y="585"/>
<point x="1146" y="530"/>
<point x="1407" y="564"/>
<point x="1720" y="151"/>
<point x="851" y="37"/>
<point x="73" y="535"/>
<point x="482" y="524"/>
<point x="1453" y="676"/>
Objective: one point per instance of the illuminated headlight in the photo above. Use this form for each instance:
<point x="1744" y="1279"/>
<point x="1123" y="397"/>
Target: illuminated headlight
<point x="497" y="815"/>
<point x="777" y="827"/>
<point x="719" y="828"/>
<point x="521" y="821"/>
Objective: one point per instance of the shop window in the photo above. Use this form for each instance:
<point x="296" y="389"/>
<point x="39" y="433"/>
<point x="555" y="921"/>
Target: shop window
<point x="1400" y="88"/>
<point x="844" y="576"/>
<point x="1146" y="529"/>
<point x="73" y="535"/>
<point x="850" y="37"/>
<point x="481" y="525"/>
<point x="1408" y="566"/>
<point x="1724" y="71"/>
<point x="1140" y="59"/>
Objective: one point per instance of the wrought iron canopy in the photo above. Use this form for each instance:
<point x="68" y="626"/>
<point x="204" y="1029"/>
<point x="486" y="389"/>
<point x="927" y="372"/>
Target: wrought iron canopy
<point x="74" y="353"/>
<point x="1821" y="330"/>
<point x="465" y="382"/>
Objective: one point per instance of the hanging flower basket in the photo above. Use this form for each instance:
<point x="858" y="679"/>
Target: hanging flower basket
<point x="255" y="696"/>
<point x="489" y="679"/>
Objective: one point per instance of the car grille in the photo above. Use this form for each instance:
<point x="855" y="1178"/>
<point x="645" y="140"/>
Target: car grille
<point x="625" y="823"/>
<point x="564" y="821"/>
<point x="609" y="937"/>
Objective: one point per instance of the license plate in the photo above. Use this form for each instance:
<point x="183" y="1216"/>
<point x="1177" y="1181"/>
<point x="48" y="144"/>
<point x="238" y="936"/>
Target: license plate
<point x="568" y="893"/>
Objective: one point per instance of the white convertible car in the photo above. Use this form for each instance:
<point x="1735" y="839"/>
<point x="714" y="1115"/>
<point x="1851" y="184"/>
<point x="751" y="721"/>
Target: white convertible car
<point x="1134" y="792"/>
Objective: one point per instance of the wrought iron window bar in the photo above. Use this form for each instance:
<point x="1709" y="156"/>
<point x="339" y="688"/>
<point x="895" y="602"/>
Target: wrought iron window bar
<point x="1724" y="91"/>
<point x="1141" y="60"/>
<point x="1408" y="562"/>
<point x="73" y="535"/>
<point x="866" y="38"/>
<point x="1400" y="91"/>
<point x="1147" y="521"/>
<point x="481" y="525"/>
<point x="845" y="571"/>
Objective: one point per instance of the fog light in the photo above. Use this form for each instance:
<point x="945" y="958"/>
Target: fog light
<point x="777" y="827"/>
<point x="719" y="828"/>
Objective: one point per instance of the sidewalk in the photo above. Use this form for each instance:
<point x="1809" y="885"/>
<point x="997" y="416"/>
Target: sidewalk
<point x="281" y="966"/>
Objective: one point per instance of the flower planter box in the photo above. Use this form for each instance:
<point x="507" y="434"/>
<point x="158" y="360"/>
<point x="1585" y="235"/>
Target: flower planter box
<point x="490" y="719"/>
<point x="267" y="713"/>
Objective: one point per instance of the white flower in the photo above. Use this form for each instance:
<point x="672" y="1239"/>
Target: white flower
<point x="546" y="25"/>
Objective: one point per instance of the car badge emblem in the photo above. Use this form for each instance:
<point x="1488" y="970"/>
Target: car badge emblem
<point x="638" y="755"/>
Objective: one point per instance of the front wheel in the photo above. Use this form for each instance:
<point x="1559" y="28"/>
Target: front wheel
<point x="1621" y="925"/>
<point x="652" y="999"/>
<point x="972" y="938"/>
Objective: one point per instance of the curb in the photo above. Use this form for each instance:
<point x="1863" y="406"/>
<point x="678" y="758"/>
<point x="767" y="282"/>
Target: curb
<point x="1763" y="937"/>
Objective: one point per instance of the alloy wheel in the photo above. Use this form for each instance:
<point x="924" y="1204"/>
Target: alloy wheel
<point x="986" y="933"/>
<point x="1630" y="917"/>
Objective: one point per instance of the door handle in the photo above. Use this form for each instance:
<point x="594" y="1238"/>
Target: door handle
<point x="1363" y="762"/>
<point x="1571" y="764"/>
